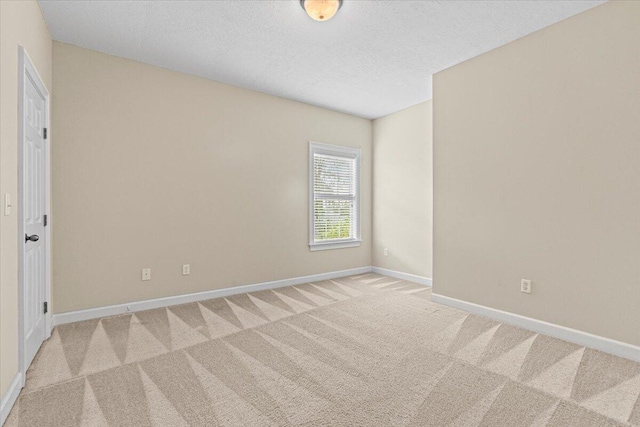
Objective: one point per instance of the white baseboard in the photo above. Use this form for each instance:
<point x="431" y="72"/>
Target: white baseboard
<point x="113" y="310"/>
<point x="10" y="397"/>
<point x="586" y="339"/>
<point x="404" y="276"/>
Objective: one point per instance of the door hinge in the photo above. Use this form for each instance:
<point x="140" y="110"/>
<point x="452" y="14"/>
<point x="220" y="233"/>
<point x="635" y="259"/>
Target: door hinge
<point x="46" y="219"/>
<point x="44" y="133"/>
<point x="46" y="307"/>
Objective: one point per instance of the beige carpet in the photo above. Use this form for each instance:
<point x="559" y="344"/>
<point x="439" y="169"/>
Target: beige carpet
<point x="361" y="351"/>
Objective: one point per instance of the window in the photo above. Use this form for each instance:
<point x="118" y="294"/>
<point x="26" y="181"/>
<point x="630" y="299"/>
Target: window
<point x="334" y="197"/>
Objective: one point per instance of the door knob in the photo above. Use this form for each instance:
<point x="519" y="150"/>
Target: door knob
<point x="32" y="238"/>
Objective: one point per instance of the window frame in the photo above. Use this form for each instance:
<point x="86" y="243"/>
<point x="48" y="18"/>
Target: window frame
<point x="338" y="151"/>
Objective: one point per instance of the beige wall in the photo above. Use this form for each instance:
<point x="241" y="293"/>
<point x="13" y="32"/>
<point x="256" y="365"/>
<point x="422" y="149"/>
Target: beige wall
<point x="21" y="23"/>
<point x="537" y="175"/>
<point x="402" y="190"/>
<point x="157" y="169"/>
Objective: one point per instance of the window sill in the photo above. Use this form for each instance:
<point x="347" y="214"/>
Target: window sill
<point x="334" y="245"/>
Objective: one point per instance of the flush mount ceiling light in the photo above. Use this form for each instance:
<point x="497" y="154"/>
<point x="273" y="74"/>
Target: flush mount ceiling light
<point x="321" y="10"/>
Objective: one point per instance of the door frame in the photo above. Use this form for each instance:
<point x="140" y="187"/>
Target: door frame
<point x="26" y="69"/>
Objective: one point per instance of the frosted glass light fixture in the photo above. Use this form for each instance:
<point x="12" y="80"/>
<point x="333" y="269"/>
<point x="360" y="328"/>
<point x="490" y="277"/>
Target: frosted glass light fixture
<point x="321" y="10"/>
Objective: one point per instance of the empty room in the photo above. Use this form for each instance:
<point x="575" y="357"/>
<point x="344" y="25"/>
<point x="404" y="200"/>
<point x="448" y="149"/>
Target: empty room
<point x="320" y="213"/>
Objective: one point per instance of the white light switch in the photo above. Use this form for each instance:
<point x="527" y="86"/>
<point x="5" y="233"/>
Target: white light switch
<point x="7" y="204"/>
<point x="146" y="274"/>
<point x="186" y="269"/>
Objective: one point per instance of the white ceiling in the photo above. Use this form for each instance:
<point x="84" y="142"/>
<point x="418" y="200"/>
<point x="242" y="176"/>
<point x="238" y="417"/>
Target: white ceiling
<point x="373" y="58"/>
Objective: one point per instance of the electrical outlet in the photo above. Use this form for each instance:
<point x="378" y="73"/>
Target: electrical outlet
<point x="146" y="274"/>
<point x="186" y="269"/>
<point x="386" y="251"/>
<point x="525" y="286"/>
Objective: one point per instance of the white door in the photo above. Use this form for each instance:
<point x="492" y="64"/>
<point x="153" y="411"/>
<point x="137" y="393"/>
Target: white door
<point x="33" y="210"/>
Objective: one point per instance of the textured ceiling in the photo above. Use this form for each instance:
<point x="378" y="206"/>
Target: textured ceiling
<point x="371" y="59"/>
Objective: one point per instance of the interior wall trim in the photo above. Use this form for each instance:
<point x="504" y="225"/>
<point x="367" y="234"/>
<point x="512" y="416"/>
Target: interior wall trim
<point x="607" y="345"/>
<point x="421" y="280"/>
<point x="10" y="397"/>
<point x="131" y="307"/>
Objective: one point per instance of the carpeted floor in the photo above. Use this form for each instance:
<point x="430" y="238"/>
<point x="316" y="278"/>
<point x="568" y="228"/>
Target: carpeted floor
<point x="360" y="351"/>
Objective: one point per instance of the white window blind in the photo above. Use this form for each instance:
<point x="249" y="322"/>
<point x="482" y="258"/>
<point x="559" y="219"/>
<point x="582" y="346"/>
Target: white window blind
<point x="334" y="186"/>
